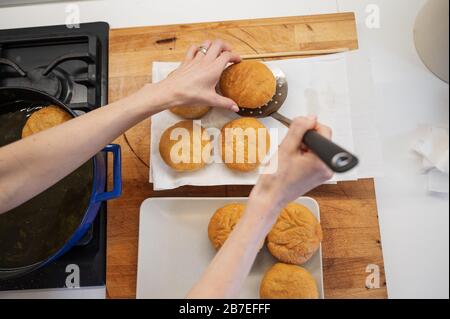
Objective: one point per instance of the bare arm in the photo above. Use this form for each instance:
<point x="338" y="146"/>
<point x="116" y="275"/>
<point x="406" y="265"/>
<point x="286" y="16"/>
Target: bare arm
<point x="298" y="172"/>
<point x="31" y="165"/>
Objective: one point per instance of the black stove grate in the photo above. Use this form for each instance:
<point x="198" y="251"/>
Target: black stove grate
<point x="71" y="65"/>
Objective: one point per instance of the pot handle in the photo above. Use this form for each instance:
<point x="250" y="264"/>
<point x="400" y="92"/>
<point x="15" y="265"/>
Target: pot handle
<point x="117" y="174"/>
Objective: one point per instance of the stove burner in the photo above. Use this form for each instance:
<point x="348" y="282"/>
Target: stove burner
<point x="56" y="83"/>
<point x="72" y="65"/>
<point x="52" y="79"/>
<point x="13" y="65"/>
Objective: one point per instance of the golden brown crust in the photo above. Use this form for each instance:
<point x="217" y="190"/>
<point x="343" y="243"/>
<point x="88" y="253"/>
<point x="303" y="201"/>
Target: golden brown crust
<point x="296" y="236"/>
<point x="239" y="144"/>
<point x="222" y="223"/>
<point x="195" y="160"/>
<point x="190" y="112"/>
<point x="44" y="119"/>
<point x="284" y="281"/>
<point x="251" y="84"/>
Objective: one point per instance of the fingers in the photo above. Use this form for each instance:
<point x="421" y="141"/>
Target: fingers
<point x="324" y="130"/>
<point x="217" y="51"/>
<point x="223" y="102"/>
<point x="299" y="126"/>
<point x="217" y="47"/>
<point x="200" y="55"/>
<point x="192" y="51"/>
<point x="227" y="57"/>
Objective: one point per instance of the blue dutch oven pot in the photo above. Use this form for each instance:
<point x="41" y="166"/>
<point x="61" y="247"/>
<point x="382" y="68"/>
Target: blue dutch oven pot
<point x="98" y="194"/>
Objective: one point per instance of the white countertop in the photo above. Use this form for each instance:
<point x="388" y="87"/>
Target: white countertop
<point x="414" y="224"/>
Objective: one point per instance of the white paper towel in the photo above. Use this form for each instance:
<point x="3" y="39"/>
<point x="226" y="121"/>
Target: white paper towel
<point x="433" y="147"/>
<point x="317" y="85"/>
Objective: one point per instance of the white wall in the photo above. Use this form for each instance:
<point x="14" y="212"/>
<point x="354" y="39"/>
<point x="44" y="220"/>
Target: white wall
<point x="125" y="13"/>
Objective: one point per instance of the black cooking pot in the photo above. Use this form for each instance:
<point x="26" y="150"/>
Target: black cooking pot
<point x="47" y="226"/>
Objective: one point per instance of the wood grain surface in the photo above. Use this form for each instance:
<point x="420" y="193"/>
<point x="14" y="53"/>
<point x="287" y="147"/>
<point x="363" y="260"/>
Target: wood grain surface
<point x="349" y="213"/>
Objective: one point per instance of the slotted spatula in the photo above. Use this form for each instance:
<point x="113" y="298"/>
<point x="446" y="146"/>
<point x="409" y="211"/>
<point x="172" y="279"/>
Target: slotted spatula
<point x="335" y="157"/>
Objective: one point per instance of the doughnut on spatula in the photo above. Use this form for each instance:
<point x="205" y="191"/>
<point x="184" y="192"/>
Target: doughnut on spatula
<point x="335" y="157"/>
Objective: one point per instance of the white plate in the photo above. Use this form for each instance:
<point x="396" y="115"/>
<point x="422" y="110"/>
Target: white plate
<point x="174" y="248"/>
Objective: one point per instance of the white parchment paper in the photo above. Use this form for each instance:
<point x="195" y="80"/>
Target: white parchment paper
<point x="317" y="85"/>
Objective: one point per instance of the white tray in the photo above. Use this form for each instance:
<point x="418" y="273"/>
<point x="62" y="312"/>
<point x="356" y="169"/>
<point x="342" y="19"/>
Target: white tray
<point x="174" y="248"/>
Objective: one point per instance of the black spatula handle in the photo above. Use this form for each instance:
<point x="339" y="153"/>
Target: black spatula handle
<point x="335" y="157"/>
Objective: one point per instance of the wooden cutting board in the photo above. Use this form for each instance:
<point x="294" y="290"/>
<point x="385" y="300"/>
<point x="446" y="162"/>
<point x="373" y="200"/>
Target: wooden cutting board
<point x="349" y="213"/>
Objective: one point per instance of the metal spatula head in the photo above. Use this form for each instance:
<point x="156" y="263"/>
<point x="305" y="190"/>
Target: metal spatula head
<point x="275" y="103"/>
<point x="335" y="157"/>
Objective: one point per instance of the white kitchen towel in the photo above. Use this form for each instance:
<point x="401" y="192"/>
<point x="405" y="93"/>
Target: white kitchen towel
<point x="432" y="146"/>
<point x="316" y="86"/>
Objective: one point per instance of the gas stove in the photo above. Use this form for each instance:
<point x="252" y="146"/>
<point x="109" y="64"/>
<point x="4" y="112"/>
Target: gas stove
<point x="70" y="64"/>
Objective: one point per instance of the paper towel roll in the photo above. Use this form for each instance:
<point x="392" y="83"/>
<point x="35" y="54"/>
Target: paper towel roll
<point x="431" y="37"/>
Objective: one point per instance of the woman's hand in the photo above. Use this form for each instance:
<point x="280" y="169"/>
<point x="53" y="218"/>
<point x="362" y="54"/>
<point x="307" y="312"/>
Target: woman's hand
<point x="299" y="170"/>
<point x="194" y="82"/>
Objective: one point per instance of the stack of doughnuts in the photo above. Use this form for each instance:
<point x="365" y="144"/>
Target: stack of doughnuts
<point x="293" y="240"/>
<point x="251" y="84"/>
<point x="45" y="118"/>
<point x="244" y="144"/>
<point x="190" y="112"/>
<point x="296" y="236"/>
<point x="284" y="281"/>
<point x="244" y="141"/>
<point x="185" y="147"/>
<point x="222" y="223"/>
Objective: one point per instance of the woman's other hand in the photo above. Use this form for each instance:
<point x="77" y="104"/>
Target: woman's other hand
<point x="299" y="170"/>
<point x="194" y="82"/>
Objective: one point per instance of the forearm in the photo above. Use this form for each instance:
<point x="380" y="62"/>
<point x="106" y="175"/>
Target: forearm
<point x="30" y="166"/>
<point x="50" y="155"/>
<point x="230" y="267"/>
